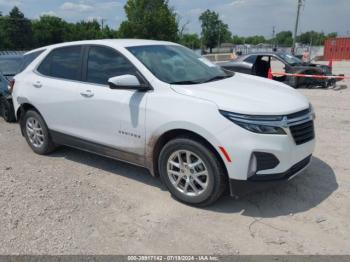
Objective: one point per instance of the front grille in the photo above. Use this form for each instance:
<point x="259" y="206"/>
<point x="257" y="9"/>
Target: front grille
<point x="303" y="133"/>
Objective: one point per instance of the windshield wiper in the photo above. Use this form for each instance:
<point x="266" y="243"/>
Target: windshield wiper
<point x="187" y="82"/>
<point x="216" y="78"/>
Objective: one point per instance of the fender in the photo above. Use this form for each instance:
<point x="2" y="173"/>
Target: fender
<point x="180" y="128"/>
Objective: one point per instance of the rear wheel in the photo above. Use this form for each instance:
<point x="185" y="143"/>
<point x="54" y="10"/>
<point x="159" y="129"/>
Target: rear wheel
<point x="191" y="172"/>
<point x="7" y="110"/>
<point x="36" y="133"/>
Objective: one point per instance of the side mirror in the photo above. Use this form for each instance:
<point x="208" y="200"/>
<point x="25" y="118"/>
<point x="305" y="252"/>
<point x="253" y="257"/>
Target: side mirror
<point x="126" y="82"/>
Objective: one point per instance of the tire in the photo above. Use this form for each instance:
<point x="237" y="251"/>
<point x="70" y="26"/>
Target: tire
<point x="210" y="185"/>
<point x="36" y="133"/>
<point x="293" y="82"/>
<point x="7" y="111"/>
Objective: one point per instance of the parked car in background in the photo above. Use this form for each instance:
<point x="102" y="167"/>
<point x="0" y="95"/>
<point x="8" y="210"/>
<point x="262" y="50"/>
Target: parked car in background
<point x="161" y="106"/>
<point x="259" y="64"/>
<point x="9" y="66"/>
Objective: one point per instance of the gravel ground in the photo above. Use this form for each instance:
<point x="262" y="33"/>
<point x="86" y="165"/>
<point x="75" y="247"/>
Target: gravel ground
<point x="73" y="202"/>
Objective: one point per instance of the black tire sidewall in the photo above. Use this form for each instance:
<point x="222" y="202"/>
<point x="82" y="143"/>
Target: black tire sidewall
<point x="46" y="147"/>
<point x="207" y="157"/>
<point x="7" y="105"/>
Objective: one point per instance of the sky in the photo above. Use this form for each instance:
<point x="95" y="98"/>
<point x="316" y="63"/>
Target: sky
<point x="244" y="17"/>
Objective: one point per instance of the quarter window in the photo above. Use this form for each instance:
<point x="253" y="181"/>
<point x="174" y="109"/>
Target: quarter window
<point x="62" y="63"/>
<point x="27" y="59"/>
<point x="104" y="63"/>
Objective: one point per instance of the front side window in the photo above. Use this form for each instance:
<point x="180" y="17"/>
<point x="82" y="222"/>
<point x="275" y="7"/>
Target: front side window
<point x="177" y="65"/>
<point x="251" y="59"/>
<point x="104" y="63"/>
<point x="62" y="63"/>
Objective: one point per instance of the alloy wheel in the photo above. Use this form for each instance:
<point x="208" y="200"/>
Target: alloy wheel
<point x="187" y="172"/>
<point x="35" y="132"/>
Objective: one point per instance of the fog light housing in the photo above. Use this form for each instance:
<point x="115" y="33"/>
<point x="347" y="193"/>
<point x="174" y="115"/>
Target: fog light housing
<point x="260" y="161"/>
<point x="253" y="166"/>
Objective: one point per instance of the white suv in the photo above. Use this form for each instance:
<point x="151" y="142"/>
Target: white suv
<point x="161" y="106"/>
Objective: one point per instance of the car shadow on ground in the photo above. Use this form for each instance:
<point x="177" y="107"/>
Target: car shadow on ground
<point x="116" y="167"/>
<point x="307" y="190"/>
<point x="337" y="87"/>
<point x="300" y="194"/>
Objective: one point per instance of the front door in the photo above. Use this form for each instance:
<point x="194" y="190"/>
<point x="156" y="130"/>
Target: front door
<point x="111" y="117"/>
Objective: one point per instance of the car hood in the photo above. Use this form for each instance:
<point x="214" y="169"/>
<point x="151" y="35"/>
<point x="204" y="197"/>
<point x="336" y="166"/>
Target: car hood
<point x="248" y="94"/>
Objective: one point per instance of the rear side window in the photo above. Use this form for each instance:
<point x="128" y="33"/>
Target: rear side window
<point x="29" y="58"/>
<point x="104" y="63"/>
<point x="62" y="63"/>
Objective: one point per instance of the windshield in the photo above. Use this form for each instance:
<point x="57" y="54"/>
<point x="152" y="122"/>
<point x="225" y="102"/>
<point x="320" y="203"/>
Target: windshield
<point x="9" y="66"/>
<point x="290" y="59"/>
<point x="177" y="64"/>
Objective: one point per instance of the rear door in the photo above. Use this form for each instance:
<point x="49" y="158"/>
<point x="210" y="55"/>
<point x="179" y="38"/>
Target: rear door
<point x="56" y="89"/>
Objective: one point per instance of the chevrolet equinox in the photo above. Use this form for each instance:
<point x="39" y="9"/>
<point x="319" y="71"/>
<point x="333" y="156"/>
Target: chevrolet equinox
<point x="161" y="106"/>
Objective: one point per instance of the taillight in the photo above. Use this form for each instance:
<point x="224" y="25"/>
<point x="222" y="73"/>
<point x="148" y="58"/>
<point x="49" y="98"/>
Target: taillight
<point x="11" y="85"/>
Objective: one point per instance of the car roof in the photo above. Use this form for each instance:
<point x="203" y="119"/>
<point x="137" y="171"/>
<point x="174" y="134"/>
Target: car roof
<point x="108" y="42"/>
<point x="270" y="53"/>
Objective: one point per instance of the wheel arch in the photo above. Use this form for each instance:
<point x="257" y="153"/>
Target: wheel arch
<point x="160" y="142"/>
<point x="21" y="111"/>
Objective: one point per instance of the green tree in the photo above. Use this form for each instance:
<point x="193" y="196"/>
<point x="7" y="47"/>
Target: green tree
<point x="284" y="38"/>
<point x="149" y="19"/>
<point x="191" y="41"/>
<point x="254" y="40"/>
<point x="48" y="30"/>
<point x="17" y="31"/>
<point x="108" y="33"/>
<point x="83" y="30"/>
<point x="237" y="40"/>
<point x="311" y="37"/>
<point x="214" y="31"/>
<point x="1" y="32"/>
<point x="332" y="35"/>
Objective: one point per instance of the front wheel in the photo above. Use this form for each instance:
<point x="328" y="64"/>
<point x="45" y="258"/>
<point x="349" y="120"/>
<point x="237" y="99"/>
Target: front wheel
<point x="191" y="172"/>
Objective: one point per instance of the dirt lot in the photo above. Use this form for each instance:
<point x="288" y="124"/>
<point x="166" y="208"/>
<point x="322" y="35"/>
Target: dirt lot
<point x="73" y="202"/>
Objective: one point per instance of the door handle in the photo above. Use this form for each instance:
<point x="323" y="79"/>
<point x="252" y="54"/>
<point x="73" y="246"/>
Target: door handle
<point x="37" y="84"/>
<point x="87" y="94"/>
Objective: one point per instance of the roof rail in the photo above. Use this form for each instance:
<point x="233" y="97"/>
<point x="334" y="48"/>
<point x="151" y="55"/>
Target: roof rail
<point x="12" y="52"/>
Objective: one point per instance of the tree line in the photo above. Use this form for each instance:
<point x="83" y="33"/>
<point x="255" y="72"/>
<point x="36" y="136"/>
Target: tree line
<point x="146" y="19"/>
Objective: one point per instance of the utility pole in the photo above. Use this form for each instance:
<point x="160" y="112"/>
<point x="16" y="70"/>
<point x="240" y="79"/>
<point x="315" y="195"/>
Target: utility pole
<point x="219" y="40"/>
<point x="300" y="3"/>
<point x="274" y="47"/>
<point x="102" y="22"/>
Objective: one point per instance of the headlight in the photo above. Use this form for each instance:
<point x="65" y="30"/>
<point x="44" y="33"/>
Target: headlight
<point x="257" y="124"/>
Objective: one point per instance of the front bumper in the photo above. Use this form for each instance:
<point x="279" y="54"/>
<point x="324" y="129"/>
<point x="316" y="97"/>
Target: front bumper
<point x="257" y="182"/>
<point x="268" y="156"/>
